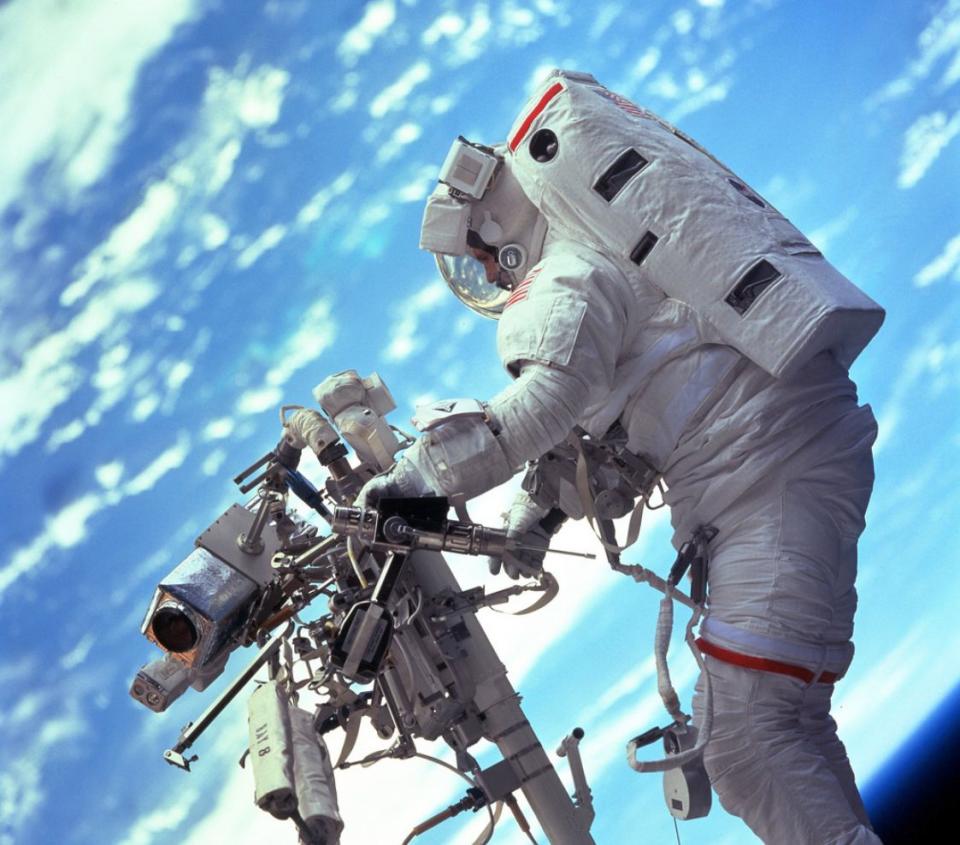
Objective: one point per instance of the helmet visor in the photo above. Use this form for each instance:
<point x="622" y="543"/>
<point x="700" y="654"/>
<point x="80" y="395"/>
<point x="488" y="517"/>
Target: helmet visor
<point x="467" y="278"/>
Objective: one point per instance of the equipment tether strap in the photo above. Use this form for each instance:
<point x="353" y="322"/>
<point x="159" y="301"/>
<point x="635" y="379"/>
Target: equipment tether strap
<point x="589" y="509"/>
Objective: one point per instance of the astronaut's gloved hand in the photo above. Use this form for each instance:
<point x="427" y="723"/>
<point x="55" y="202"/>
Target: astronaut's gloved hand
<point x="402" y="479"/>
<point x="522" y="522"/>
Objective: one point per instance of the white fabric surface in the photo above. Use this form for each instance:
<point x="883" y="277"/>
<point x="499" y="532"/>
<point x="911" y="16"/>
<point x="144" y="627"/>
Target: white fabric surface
<point x="781" y="574"/>
<point x="780" y="465"/>
<point x="711" y="228"/>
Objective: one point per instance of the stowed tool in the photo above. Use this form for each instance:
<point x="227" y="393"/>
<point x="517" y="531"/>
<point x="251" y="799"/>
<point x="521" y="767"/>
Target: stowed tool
<point x="686" y="787"/>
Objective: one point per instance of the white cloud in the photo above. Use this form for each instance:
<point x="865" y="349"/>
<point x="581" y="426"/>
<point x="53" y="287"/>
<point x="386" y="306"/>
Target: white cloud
<point x="260" y="399"/>
<point x="583" y="583"/>
<point x="110" y="371"/>
<point x="860" y="701"/>
<point x="119" y="252"/>
<point x="823" y="236"/>
<point x="443" y="104"/>
<point x="235" y="103"/>
<point x="605" y="746"/>
<point x="714" y="93"/>
<point x="212" y="463"/>
<point x="22" y="789"/>
<point x="177" y="375"/>
<point x="145" y="830"/>
<point x="447" y="25"/>
<point x="214" y="231"/>
<point x="665" y="86"/>
<point x="318" y="203"/>
<point x="69" y="526"/>
<point x="519" y="26"/>
<point x="539" y="75"/>
<point x="109" y="475"/>
<point x="347" y="97"/>
<point x="403" y="135"/>
<point x="66" y="434"/>
<point x="517" y="16"/>
<point x="646" y="63"/>
<point x="940" y="39"/>
<point x="696" y="80"/>
<point x="921" y="364"/>
<point x="115" y="277"/>
<point x="946" y="262"/>
<point x="69" y="74"/>
<point x="923" y="143"/>
<point x="419" y="186"/>
<point x="603" y="19"/>
<point x="393" y="96"/>
<point x="471" y="43"/>
<point x="219" y="428"/>
<point x="145" y="407"/>
<point x="682" y="21"/>
<point x="78" y="653"/>
<point x="264" y="242"/>
<point x="223" y="164"/>
<point x="405" y="334"/>
<point x="357" y="41"/>
<point x="168" y="460"/>
<point x="261" y="96"/>
<point x="906" y="684"/>
<point x="314" y="335"/>
<point x="49" y="368"/>
<point x="614" y="695"/>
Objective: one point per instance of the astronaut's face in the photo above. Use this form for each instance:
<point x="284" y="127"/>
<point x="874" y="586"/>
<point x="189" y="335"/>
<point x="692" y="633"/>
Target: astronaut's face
<point x="490" y="265"/>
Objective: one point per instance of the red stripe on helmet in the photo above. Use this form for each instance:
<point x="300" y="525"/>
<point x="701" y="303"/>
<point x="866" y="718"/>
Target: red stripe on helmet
<point x="520" y="134"/>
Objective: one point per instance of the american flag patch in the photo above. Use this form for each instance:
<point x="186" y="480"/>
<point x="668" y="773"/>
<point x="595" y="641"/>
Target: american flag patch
<point x="621" y="103"/>
<point x="519" y="293"/>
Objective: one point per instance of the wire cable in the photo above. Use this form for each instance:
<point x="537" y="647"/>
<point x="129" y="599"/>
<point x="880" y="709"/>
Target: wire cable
<point x="494" y="817"/>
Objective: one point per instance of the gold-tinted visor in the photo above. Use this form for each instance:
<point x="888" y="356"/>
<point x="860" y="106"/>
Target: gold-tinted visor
<point x="467" y="278"/>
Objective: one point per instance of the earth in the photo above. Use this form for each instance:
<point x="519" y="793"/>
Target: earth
<point x="206" y="208"/>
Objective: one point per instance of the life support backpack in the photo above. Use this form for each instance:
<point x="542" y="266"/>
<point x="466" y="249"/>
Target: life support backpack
<point x="616" y="177"/>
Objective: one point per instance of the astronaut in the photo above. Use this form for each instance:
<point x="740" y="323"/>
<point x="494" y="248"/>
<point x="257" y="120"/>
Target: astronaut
<point x="645" y="294"/>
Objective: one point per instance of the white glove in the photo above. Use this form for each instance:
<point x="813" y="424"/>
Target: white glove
<point x="402" y="479"/>
<point x="522" y="522"/>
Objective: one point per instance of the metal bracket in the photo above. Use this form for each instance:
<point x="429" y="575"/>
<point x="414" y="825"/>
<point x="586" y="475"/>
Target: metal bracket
<point x="582" y="796"/>
<point x="192" y="730"/>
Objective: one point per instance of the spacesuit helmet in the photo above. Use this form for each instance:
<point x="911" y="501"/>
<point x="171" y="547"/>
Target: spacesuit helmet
<point x="479" y="205"/>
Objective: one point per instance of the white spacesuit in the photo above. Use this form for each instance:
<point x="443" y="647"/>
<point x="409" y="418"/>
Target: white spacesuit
<point x="642" y="286"/>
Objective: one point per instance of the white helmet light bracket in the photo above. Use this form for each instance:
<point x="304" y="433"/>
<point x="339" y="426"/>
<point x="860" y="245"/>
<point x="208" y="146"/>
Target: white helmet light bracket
<point x="469" y="169"/>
